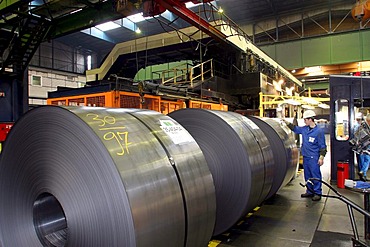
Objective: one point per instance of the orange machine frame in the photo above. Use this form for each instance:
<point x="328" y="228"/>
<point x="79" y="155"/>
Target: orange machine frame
<point x="119" y="99"/>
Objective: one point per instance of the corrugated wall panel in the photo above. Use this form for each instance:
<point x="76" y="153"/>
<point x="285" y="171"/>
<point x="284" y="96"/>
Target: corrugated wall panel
<point x="324" y="50"/>
<point x="269" y="50"/>
<point x="366" y="45"/>
<point x="315" y="51"/>
<point x="291" y="54"/>
<point x="345" y="48"/>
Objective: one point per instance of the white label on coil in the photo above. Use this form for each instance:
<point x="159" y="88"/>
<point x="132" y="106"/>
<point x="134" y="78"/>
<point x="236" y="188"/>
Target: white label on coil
<point x="251" y="123"/>
<point x="175" y="131"/>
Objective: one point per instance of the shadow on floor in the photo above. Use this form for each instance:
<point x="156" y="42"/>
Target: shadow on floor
<point x="331" y="239"/>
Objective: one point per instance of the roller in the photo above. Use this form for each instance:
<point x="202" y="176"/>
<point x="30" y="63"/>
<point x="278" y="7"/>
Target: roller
<point x="103" y="177"/>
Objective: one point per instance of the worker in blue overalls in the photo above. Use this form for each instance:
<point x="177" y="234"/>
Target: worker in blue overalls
<point x="313" y="151"/>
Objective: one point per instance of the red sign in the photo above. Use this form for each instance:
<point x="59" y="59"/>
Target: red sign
<point x="4" y="130"/>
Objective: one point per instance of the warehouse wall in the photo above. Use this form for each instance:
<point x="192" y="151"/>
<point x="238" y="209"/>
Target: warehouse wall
<point x="41" y="81"/>
<point x="324" y="50"/>
<point x="58" y="56"/>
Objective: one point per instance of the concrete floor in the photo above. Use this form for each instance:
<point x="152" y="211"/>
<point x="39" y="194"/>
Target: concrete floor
<point x="289" y="220"/>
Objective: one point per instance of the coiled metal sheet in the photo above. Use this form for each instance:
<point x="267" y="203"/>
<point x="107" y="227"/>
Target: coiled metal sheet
<point x="103" y="177"/>
<point x="285" y="151"/>
<point x="239" y="157"/>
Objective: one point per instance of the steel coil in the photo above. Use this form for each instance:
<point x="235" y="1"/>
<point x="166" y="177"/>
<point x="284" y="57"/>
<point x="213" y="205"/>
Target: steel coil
<point x="103" y="177"/>
<point x="239" y="157"/>
<point x="285" y="151"/>
<point x="128" y="177"/>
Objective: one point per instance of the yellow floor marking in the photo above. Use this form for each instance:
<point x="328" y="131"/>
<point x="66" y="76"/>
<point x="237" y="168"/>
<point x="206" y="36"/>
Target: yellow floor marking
<point x="214" y="243"/>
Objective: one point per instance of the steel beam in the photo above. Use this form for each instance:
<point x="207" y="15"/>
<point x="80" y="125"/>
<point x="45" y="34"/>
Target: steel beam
<point x="180" y="10"/>
<point x="83" y="19"/>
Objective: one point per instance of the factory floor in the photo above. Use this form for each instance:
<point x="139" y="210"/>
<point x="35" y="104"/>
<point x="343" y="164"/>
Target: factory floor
<point x="289" y="220"/>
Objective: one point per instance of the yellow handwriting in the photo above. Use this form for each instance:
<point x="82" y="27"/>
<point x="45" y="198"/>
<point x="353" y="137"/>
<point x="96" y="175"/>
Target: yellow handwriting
<point x="114" y="133"/>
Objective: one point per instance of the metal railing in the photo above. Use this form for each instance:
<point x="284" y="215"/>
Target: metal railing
<point x="203" y="71"/>
<point x="176" y="74"/>
<point x="188" y="74"/>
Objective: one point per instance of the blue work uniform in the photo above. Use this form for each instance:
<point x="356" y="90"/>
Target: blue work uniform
<point x="313" y="140"/>
<point x="365" y="162"/>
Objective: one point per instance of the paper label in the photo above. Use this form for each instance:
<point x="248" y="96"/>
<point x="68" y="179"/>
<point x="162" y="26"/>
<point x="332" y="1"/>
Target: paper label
<point x="175" y="131"/>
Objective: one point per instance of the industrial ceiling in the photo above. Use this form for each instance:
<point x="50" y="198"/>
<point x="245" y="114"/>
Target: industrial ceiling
<point x="242" y="12"/>
<point x="69" y="17"/>
<point x="73" y="22"/>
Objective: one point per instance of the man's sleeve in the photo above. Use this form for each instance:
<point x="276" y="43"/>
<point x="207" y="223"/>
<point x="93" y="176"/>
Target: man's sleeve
<point x="322" y="145"/>
<point x="296" y="129"/>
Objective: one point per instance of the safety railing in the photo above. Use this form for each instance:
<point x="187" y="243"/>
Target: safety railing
<point x="205" y="68"/>
<point x="190" y="75"/>
<point x="175" y="74"/>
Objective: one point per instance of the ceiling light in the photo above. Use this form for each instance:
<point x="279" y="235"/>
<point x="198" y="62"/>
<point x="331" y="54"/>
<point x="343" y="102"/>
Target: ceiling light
<point x="107" y="26"/>
<point x="324" y="106"/>
<point x="74" y="12"/>
<point x="308" y="107"/>
<point x="277" y="86"/>
<point x="292" y="102"/>
<point x="293" y="71"/>
<point x="313" y="69"/>
<point x="220" y="10"/>
<point x="289" y="90"/>
<point x="137" y="30"/>
<point x="311" y="101"/>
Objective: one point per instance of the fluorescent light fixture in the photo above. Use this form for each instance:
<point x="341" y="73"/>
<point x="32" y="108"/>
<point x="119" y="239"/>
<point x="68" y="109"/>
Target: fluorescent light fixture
<point x="277" y="86"/>
<point x="313" y="69"/>
<point x="324" y="106"/>
<point x="88" y="62"/>
<point x="73" y="12"/>
<point x="107" y="26"/>
<point x="289" y="90"/>
<point x="292" y="102"/>
<point x="311" y="101"/>
<point x="309" y="107"/>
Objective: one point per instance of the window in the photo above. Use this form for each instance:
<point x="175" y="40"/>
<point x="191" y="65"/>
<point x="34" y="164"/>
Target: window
<point x="36" y="80"/>
<point x="89" y="62"/>
<point x="341" y="120"/>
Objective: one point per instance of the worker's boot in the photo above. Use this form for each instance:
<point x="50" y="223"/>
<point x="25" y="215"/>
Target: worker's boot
<point x="362" y="176"/>
<point x="306" y="195"/>
<point x="316" y="198"/>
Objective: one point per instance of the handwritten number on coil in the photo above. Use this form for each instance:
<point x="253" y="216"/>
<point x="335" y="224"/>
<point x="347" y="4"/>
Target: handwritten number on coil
<point x="112" y="132"/>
